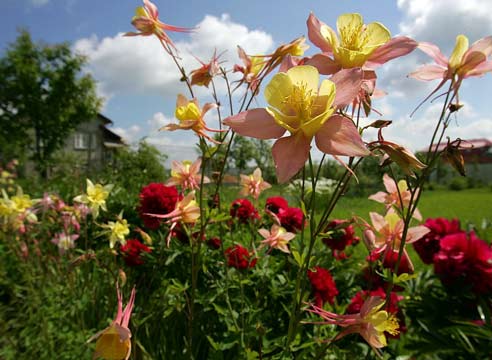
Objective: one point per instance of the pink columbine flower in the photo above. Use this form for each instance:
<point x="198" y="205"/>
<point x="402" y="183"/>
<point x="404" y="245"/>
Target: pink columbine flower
<point x="186" y="174"/>
<point x="463" y="63"/>
<point x="356" y="45"/>
<point x="296" y="104"/>
<point x="186" y="211"/>
<point x="386" y="233"/>
<point x="276" y="238"/>
<point x="371" y="322"/>
<point x="146" y="21"/>
<point x="64" y="241"/>
<point x="397" y="195"/>
<point x="114" y="341"/>
<point x="253" y="184"/>
<point x="191" y="117"/>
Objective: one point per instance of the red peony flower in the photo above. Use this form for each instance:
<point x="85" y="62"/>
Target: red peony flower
<point x="243" y="210"/>
<point x="239" y="257"/>
<point x="157" y="198"/>
<point x="465" y="259"/>
<point x="276" y="203"/>
<point x="132" y="251"/>
<point x="292" y="219"/>
<point x="342" y="235"/>
<point x="428" y="245"/>
<point x="214" y="243"/>
<point x="324" y="287"/>
<point x="358" y="300"/>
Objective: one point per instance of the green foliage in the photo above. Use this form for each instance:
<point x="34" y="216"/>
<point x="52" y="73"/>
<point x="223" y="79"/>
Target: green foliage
<point x="458" y="183"/>
<point x="43" y="97"/>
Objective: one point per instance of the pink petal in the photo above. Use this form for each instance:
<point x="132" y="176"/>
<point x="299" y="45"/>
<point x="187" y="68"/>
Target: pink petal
<point x="481" y="69"/>
<point x="314" y="33"/>
<point x="396" y="47"/>
<point x="483" y="45"/>
<point x="378" y="221"/>
<point x="348" y="83"/>
<point x="257" y="123"/>
<point x="471" y="61"/>
<point x="339" y="136"/>
<point x="290" y="153"/>
<point x="264" y="232"/>
<point x="127" y="313"/>
<point x="389" y="184"/>
<point x="380" y="197"/>
<point x="434" y="52"/>
<point x="151" y="8"/>
<point x="288" y="62"/>
<point x="324" y="63"/>
<point x="416" y="232"/>
<point x="429" y="72"/>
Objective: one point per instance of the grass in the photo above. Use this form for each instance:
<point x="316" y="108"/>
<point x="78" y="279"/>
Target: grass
<point x="470" y="206"/>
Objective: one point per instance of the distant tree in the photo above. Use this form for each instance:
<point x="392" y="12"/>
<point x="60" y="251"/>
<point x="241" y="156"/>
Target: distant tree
<point x="43" y="97"/>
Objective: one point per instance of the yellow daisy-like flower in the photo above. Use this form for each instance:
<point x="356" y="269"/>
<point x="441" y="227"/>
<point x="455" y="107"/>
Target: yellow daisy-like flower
<point x="95" y="197"/>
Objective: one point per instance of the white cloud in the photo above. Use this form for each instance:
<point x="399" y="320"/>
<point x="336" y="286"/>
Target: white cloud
<point x="39" y="3"/>
<point x="139" y="64"/>
<point x="130" y="134"/>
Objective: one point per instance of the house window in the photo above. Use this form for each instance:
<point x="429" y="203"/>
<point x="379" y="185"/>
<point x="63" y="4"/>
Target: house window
<point x="81" y="141"/>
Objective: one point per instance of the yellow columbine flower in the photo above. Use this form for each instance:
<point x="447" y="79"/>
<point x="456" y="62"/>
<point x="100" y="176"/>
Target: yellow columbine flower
<point x="118" y="230"/>
<point x="95" y="197"/>
<point x="295" y="102"/>
<point x="357" y="41"/>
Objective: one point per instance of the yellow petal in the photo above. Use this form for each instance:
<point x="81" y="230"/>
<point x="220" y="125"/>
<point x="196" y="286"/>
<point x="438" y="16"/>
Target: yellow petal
<point x="110" y="345"/>
<point x="349" y="23"/>
<point x="458" y="52"/>
<point x="351" y="58"/>
<point x="306" y="76"/>
<point x="329" y="34"/>
<point x="376" y="35"/>
<point x="188" y="112"/>
<point x="326" y="96"/>
<point x="279" y="88"/>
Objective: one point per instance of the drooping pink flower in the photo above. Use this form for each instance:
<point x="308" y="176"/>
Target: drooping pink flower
<point x="146" y="21"/>
<point x="429" y="245"/>
<point x="371" y="322"/>
<point x="253" y="184"/>
<point x="64" y="241"/>
<point x="465" y="259"/>
<point x="114" y="341"/>
<point x="357" y="44"/>
<point x="463" y="63"/>
<point x="297" y="105"/>
<point x="204" y="74"/>
<point x="397" y="195"/>
<point x="239" y="257"/>
<point x="323" y="285"/>
<point x="187" y="174"/>
<point x="276" y="238"/>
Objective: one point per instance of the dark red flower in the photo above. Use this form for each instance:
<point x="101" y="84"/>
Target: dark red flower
<point x="359" y="298"/>
<point x="243" y="210"/>
<point x="239" y="257"/>
<point x="390" y="259"/>
<point x="132" y="251"/>
<point x="428" y="245"/>
<point x="292" y="219"/>
<point x="342" y="234"/>
<point x="465" y="260"/>
<point x="156" y="198"/>
<point x="324" y="287"/>
<point x="276" y="203"/>
<point x="214" y="243"/>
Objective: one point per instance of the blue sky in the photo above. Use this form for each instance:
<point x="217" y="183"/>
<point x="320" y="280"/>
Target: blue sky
<point x="140" y="83"/>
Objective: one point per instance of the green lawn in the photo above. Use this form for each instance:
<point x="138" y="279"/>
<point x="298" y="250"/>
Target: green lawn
<point x="470" y="206"/>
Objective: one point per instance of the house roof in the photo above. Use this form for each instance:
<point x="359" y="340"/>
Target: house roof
<point x="106" y="120"/>
<point x="465" y="144"/>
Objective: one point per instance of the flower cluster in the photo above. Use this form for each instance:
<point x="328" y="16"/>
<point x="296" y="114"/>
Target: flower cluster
<point x="341" y="234"/>
<point x="132" y="252"/>
<point x="243" y="210"/>
<point x="239" y="257"/>
<point x="291" y="218"/>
